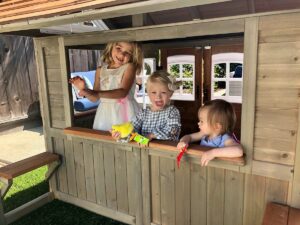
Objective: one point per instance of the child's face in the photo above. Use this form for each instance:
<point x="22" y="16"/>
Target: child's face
<point x="121" y="53"/>
<point x="159" y="95"/>
<point x="203" y="124"/>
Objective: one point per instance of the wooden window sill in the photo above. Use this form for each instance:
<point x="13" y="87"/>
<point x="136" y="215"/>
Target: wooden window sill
<point x="194" y="150"/>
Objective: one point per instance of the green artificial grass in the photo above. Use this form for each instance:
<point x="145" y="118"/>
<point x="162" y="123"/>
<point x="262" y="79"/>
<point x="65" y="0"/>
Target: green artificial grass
<point x="31" y="185"/>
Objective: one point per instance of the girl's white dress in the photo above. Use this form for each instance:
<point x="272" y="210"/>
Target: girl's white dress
<point x="114" y="111"/>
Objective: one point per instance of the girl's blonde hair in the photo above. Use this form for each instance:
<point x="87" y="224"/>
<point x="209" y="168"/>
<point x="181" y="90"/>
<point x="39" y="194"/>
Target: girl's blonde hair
<point x="136" y="59"/>
<point x="222" y="112"/>
<point x="164" y="78"/>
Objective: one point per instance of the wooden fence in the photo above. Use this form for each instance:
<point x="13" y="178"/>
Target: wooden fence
<point x="18" y="79"/>
<point x="19" y="98"/>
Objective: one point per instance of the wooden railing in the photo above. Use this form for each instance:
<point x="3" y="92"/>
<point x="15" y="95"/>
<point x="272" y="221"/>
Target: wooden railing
<point x="194" y="150"/>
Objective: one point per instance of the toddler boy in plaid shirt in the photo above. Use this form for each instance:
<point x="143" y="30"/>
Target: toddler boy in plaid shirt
<point x="160" y="120"/>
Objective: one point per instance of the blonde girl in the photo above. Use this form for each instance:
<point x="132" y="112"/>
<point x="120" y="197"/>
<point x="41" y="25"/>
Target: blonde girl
<point x="160" y="120"/>
<point x="114" y="84"/>
<point x="216" y="123"/>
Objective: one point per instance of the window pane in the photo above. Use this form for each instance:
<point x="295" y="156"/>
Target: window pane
<point x="174" y="70"/>
<point x="236" y="70"/>
<point x="188" y="70"/>
<point x="220" y="70"/>
<point x="219" y="88"/>
<point x="235" y="88"/>
<point x="187" y="87"/>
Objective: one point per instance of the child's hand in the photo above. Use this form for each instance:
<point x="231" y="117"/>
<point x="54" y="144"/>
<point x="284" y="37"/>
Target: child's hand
<point x="206" y="157"/>
<point x="115" y="134"/>
<point x="184" y="141"/>
<point x="85" y="92"/>
<point x="78" y="82"/>
<point x="181" y="145"/>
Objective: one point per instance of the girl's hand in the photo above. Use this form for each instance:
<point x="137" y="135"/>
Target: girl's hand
<point x="78" y="82"/>
<point x="85" y="92"/>
<point x="185" y="140"/>
<point x="181" y="145"/>
<point x="206" y="157"/>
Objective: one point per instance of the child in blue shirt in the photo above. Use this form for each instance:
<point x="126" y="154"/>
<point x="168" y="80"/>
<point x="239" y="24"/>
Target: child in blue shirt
<point x="216" y="123"/>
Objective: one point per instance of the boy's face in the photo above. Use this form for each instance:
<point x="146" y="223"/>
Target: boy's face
<point x="121" y="53"/>
<point x="203" y="123"/>
<point x="159" y="95"/>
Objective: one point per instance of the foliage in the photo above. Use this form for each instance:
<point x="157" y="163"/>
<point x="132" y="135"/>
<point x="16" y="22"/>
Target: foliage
<point x="220" y="70"/>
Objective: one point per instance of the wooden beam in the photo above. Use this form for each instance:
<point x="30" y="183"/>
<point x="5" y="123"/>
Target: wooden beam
<point x="105" y="13"/>
<point x="248" y="109"/>
<point x="159" y="32"/>
<point x="29" y="207"/>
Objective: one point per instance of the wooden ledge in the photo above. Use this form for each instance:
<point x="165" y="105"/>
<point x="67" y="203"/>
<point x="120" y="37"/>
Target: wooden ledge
<point x="18" y="168"/>
<point x="278" y="214"/>
<point x="194" y="150"/>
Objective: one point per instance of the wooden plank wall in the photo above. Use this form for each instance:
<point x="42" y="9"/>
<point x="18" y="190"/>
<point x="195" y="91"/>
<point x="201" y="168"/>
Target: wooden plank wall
<point x="208" y="196"/>
<point x="18" y="79"/>
<point x="278" y="86"/>
<point x="106" y="174"/>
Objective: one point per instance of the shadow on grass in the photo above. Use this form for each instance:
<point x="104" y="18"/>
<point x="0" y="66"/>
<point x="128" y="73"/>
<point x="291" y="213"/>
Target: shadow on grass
<point x="24" y="196"/>
<point x="53" y="213"/>
<point x="61" y="213"/>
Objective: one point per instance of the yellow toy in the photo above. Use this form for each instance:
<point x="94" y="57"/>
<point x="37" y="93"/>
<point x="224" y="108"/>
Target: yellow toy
<point x="125" y="130"/>
<point x="126" y="133"/>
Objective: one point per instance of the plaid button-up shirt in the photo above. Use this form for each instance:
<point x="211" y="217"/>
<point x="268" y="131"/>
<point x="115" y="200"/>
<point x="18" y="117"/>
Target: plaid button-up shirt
<point x="164" y="124"/>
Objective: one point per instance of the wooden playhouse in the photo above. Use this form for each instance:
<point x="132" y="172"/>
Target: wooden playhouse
<point x="143" y="185"/>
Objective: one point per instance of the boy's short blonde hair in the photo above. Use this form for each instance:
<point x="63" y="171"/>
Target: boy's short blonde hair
<point x="165" y="78"/>
<point x="136" y="59"/>
<point x="222" y="112"/>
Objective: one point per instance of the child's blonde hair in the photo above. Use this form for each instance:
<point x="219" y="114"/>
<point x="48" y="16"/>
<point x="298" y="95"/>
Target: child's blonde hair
<point x="222" y="112"/>
<point x="164" y="78"/>
<point x="136" y="59"/>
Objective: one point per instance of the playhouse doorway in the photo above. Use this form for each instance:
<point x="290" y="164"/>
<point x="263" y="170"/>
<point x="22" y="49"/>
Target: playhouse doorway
<point x="186" y="65"/>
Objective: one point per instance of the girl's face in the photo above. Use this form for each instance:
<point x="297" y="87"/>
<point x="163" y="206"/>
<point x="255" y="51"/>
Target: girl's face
<point x="121" y="53"/>
<point x="203" y="124"/>
<point x="159" y="95"/>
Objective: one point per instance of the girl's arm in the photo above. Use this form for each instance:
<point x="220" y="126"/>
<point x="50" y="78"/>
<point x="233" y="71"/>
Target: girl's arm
<point x="92" y="94"/>
<point x="231" y="149"/>
<point x="189" y="138"/>
<point x="126" y="83"/>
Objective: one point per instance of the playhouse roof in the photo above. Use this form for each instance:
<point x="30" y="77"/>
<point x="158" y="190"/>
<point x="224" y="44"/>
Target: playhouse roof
<point x="28" y="15"/>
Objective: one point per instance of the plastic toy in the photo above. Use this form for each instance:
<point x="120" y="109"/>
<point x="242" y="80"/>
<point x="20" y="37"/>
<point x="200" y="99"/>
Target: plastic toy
<point x="127" y="134"/>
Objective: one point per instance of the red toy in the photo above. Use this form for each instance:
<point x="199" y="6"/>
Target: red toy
<point x="179" y="156"/>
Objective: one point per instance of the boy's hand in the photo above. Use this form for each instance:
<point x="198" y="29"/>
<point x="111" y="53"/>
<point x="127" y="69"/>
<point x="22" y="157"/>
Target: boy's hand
<point x="206" y="157"/>
<point x="115" y="134"/>
<point x="78" y="82"/>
